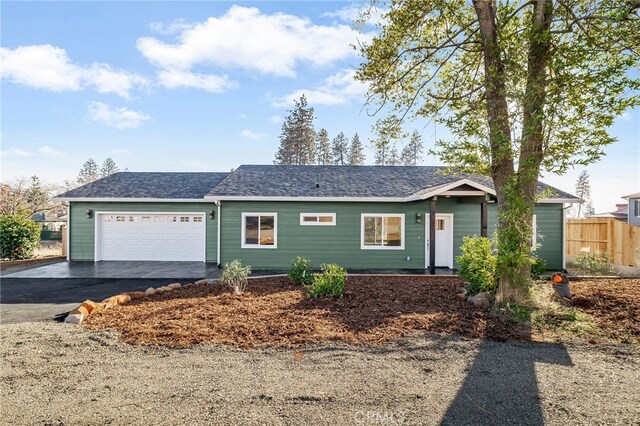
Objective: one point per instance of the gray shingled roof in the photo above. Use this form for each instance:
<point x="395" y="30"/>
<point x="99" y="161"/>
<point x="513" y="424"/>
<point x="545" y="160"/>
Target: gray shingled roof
<point x="149" y="185"/>
<point x="341" y="181"/>
<point x="282" y="181"/>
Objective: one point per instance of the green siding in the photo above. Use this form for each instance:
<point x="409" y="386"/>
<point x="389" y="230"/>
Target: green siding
<point x="82" y="230"/>
<point x="322" y="244"/>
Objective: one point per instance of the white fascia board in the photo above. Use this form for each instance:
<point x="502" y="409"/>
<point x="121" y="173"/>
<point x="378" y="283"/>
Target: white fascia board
<point x="559" y="201"/>
<point x="134" y="200"/>
<point x="445" y="188"/>
<point x="332" y="199"/>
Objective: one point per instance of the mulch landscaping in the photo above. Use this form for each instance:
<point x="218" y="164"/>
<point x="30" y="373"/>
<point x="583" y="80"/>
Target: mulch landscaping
<point x="614" y="305"/>
<point x="374" y="309"/>
<point x="275" y="313"/>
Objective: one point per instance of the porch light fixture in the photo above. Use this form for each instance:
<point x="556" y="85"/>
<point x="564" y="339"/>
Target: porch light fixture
<point x="212" y="214"/>
<point x="418" y="217"/>
<point x="88" y="213"/>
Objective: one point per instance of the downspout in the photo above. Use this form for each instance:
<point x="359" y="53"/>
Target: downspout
<point x="218" y="204"/>
<point x="67" y="243"/>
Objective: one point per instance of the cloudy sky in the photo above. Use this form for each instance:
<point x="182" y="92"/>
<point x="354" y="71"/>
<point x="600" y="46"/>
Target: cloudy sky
<point x="199" y="86"/>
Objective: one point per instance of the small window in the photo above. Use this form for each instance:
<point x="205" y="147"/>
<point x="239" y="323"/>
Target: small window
<point x="133" y="218"/>
<point x="259" y="230"/>
<point x="119" y="218"/>
<point x="184" y="218"/>
<point x="440" y="225"/>
<point x="197" y="218"/>
<point x="173" y="218"/>
<point x="158" y="218"/>
<point x="317" y="219"/>
<point x="108" y="218"/>
<point x="146" y="218"/>
<point x="382" y="231"/>
<point x="636" y="208"/>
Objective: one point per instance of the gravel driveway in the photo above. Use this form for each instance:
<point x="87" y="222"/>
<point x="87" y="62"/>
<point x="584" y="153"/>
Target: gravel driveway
<point x="61" y="374"/>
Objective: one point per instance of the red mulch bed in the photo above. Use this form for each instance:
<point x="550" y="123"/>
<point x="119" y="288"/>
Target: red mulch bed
<point x="614" y="304"/>
<point x="275" y="313"/>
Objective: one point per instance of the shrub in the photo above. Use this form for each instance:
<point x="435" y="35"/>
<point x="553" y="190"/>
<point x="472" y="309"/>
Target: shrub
<point x="19" y="237"/>
<point x="328" y="283"/>
<point x="234" y="274"/>
<point x="300" y="272"/>
<point x="589" y="263"/>
<point x="538" y="266"/>
<point x="477" y="264"/>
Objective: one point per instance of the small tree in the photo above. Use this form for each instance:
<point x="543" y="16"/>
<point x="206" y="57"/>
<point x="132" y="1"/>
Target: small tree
<point x="340" y="149"/>
<point x="108" y="168"/>
<point x="583" y="191"/>
<point x="356" y="154"/>
<point x="324" y="155"/>
<point x="387" y="131"/>
<point x="89" y="172"/>
<point x="412" y="152"/>
<point x="19" y="237"/>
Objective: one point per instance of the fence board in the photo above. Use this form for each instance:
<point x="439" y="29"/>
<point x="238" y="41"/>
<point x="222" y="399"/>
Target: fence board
<point x="618" y="239"/>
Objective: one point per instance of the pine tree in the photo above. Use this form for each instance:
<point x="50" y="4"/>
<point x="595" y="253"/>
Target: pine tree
<point x="583" y="191"/>
<point x="340" y="149"/>
<point x="387" y="130"/>
<point x="108" y="167"/>
<point x="356" y="154"/>
<point x="394" y="157"/>
<point x="323" y="148"/>
<point x="412" y="152"/>
<point x="297" y="140"/>
<point x="89" y="172"/>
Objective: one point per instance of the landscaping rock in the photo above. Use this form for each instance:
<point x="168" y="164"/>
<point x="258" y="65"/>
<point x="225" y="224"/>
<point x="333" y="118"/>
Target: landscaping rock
<point x="73" y="319"/>
<point x="80" y="310"/>
<point x="166" y="288"/>
<point x="122" y="299"/>
<point x="135" y="294"/>
<point x="482" y="300"/>
<point x="99" y="308"/>
<point x="89" y="305"/>
<point x="203" y="281"/>
<point x="174" y="286"/>
<point x="160" y="290"/>
<point x="150" y="291"/>
<point x="110" y="302"/>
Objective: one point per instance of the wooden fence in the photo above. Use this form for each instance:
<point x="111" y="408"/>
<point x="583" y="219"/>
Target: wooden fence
<point x="618" y="239"/>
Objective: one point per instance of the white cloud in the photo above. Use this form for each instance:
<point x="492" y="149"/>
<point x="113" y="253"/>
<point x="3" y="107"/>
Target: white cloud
<point x="15" y="152"/>
<point x="173" y="79"/>
<point x="336" y="89"/>
<point x="120" y="118"/>
<point x="275" y="119"/>
<point x="171" y="28"/>
<point x="49" y="150"/>
<point x="244" y="37"/>
<point x="368" y="12"/>
<point x="251" y="135"/>
<point x="49" y="67"/>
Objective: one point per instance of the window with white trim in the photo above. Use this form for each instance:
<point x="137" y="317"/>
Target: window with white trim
<point x="317" y="219"/>
<point x="197" y="218"/>
<point x="184" y="218"/>
<point x="119" y="218"/>
<point x="382" y="231"/>
<point x="636" y="208"/>
<point x="259" y="230"/>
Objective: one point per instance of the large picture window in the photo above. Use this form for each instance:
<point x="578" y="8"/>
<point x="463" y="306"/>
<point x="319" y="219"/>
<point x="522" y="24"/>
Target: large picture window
<point x="382" y="231"/>
<point x="259" y="230"/>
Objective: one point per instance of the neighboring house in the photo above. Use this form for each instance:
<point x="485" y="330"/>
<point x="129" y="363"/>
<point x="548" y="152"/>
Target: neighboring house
<point x="361" y="217"/>
<point x="634" y="208"/>
<point x="51" y="224"/>
<point x="621" y="213"/>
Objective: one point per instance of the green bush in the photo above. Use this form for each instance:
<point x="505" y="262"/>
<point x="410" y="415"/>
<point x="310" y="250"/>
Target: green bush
<point x="19" y="237"/>
<point x="235" y="274"/>
<point x="477" y="264"/>
<point x="328" y="283"/>
<point x="538" y="266"/>
<point x="300" y="272"/>
<point x="589" y="263"/>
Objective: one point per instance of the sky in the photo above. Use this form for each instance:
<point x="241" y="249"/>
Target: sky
<point x="201" y="86"/>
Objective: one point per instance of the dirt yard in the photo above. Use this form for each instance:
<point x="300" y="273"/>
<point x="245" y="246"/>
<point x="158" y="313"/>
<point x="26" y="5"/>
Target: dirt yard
<point x="275" y="313"/>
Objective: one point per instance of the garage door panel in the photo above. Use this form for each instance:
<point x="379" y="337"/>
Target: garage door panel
<point x="161" y="237"/>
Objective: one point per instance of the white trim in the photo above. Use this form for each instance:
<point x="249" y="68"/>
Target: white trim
<point x="534" y="232"/>
<point x="218" y="232"/>
<point x="564" y="236"/>
<point x="318" y="223"/>
<point x="559" y="201"/>
<point x="319" y="199"/>
<point x="68" y="244"/>
<point x="117" y="212"/>
<point x="444" y="188"/>
<point x="463" y="193"/>
<point x="427" y="246"/>
<point x="381" y="247"/>
<point x="259" y="246"/>
<point x="134" y="200"/>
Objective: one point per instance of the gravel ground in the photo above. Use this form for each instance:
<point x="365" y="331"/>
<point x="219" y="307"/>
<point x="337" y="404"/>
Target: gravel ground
<point x="63" y="374"/>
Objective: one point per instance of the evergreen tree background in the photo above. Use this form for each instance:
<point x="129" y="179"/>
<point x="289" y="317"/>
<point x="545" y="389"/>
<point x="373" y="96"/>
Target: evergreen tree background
<point x="356" y="152"/>
<point x="89" y="172"/>
<point x="583" y="190"/>
<point x="298" y="137"/>
<point x="324" y="156"/>
<point x="340" y="149"/>
<point x="108" y="168"/>
<point x="412" y="152"/>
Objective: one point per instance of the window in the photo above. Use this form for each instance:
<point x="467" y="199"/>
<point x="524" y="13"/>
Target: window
<point x="317" y="219"/>
<point x="197" y="218"/>
<point x="382" y="231"/>
<point x="259" y="230"/>
<point x="119" y="218"/>
<point x="440" y="225"/>
<point x="146" y="218"/>
<point x="173" y="218"/>
<point x="133" y="218"/>
<point x="636" y="208"/>
<point x="108" y="218"/>
<point x="158" y="218"/>
<point x="184" y="218"/>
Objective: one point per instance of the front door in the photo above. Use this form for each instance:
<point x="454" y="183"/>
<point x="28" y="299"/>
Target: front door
<point x="444" y="240"/>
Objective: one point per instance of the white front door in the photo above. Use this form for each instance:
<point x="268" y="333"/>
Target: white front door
<point x="444" y="240"/>
<point x="150" y="236"/>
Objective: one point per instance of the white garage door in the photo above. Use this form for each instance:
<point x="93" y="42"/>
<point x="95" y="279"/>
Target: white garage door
<point x="152" y="236"/>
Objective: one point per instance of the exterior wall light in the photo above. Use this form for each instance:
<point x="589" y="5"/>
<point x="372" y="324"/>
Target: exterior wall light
<point x="89" y="213"/>
<point x="418" y="217"/>
<point x="212" y="214"/>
